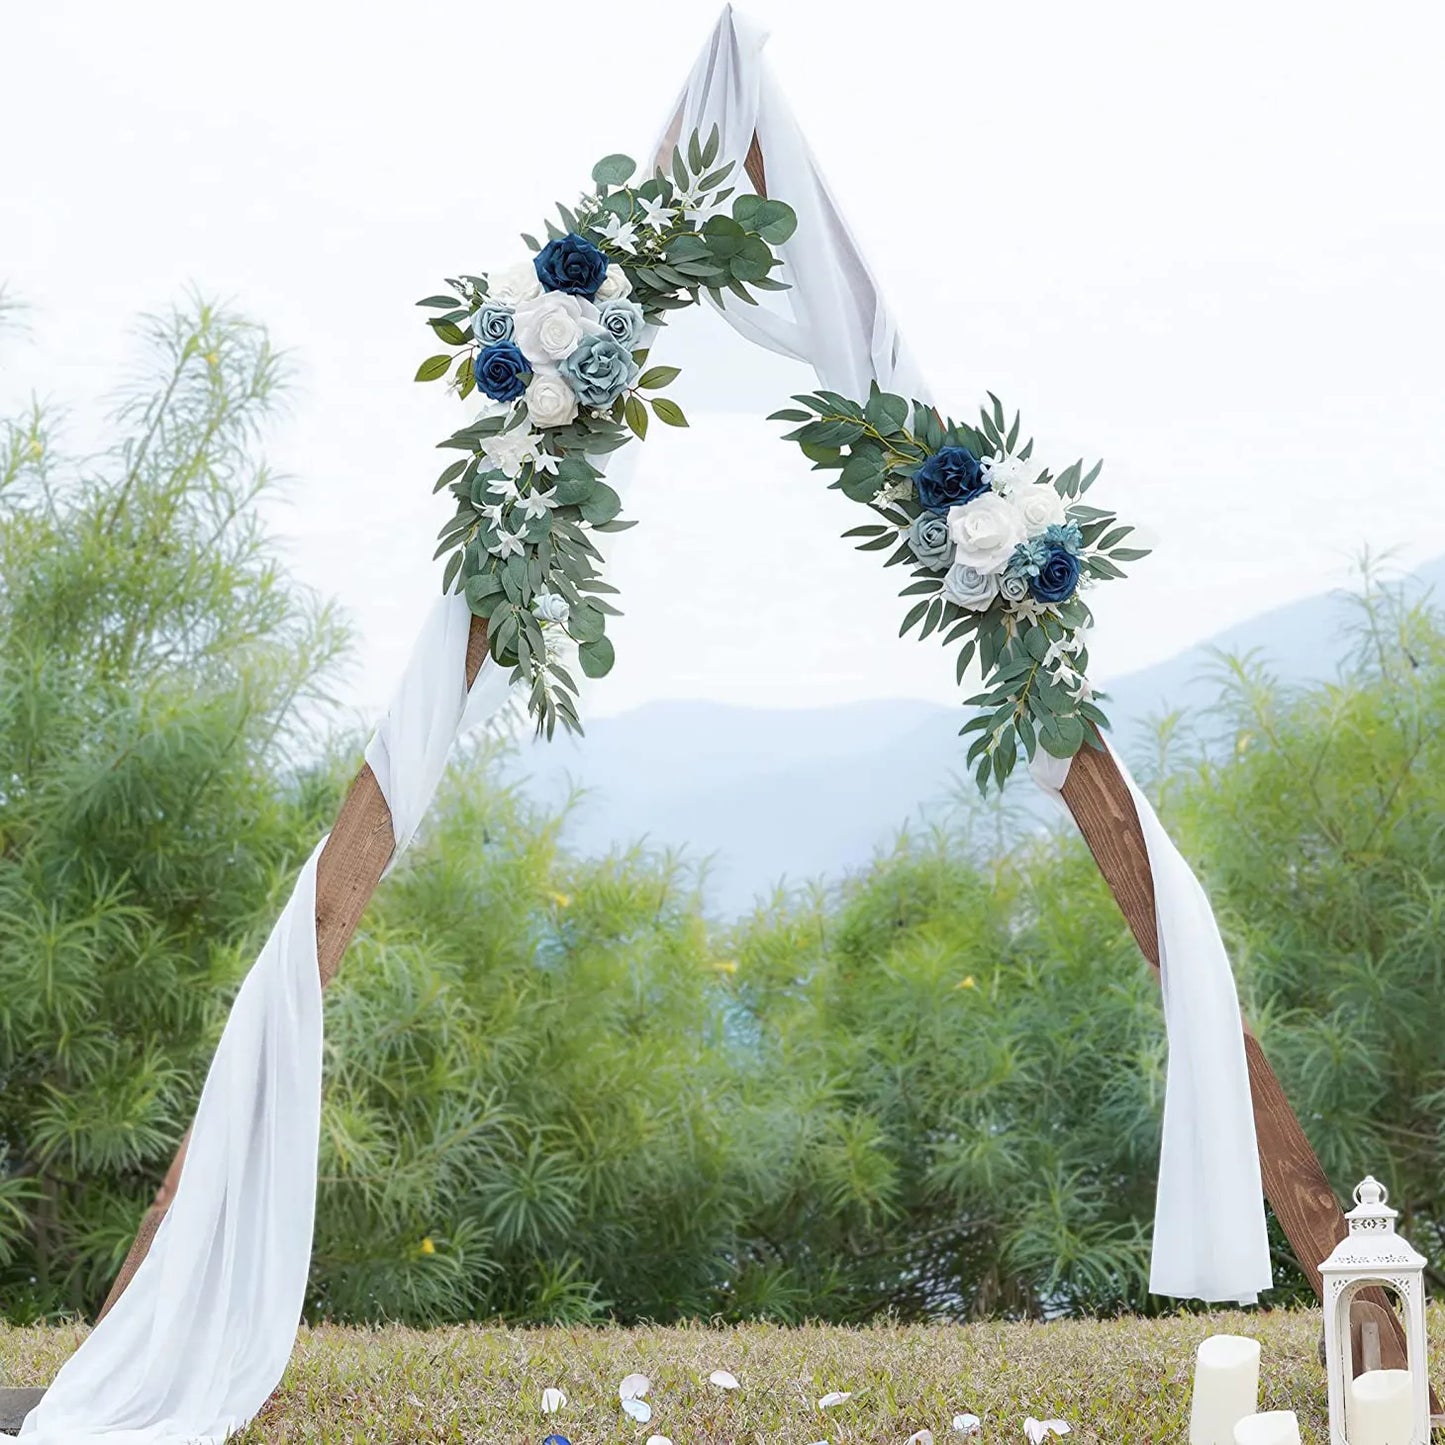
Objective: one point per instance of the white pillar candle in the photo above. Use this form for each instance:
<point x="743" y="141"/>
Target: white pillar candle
<point x="1226" y="1388"/>
<point x="1378" y="1408"/>
<point x="1274" y="1427"/>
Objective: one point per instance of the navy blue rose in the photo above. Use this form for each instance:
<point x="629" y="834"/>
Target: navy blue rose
<point x="572" y="265"/>
<point x="949" y="478"/>
<point x="500" y="370"/>
<point x="1057" y="577"/>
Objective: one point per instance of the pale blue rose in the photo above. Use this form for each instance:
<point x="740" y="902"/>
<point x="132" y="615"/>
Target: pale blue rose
<point x="491" y="322"/>
<point x="621" y="320"/>
<point x="600" y="369"/>
<point x="931" y="543"/>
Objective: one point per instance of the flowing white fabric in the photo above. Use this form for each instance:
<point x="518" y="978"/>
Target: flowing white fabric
<point x="198" y="1341"/>
<point x="1210" y="1238"/>
<point x="1209" y="1228"/>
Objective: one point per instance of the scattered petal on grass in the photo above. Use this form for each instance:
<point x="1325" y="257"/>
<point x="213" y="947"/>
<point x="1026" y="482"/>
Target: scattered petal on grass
<point x="723" y="1379"/>
<point x="556" y="1440"/>
<point x="1039" y="1430"/>
<point x="968" y="1424"/>
<point x="658" y="1440"/>
<point x="633" y="1387"/>
<point x="834" y="1397"/>
<point x="553" y="1400"/>
<point x="921" y="1437"/>
<point x="640" y="1410"/>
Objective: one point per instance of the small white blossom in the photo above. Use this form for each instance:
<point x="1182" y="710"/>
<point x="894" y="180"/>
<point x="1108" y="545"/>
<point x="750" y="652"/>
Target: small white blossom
<point x="494" y="512"/>
<point x="506" y="545"/>
<point x="622" y="234"/>
<point x="545" y="463"/>
<point x="537" y="504"/>
<point x="657" y="214"/>
<point x="510" y="450"/>
<point x="503" y="487"/>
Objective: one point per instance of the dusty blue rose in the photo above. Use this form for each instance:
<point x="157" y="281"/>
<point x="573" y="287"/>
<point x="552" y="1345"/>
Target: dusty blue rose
<point x="599" y="370"/>
<point x="1058" y="578"/>
<point x="622" y="321"/>
<point x="928" y="536"/>
<point x="491" y="322"/>
<point x="572" y="265"/>
<point x="501" y="370"/>
<point x="949" y="478"/>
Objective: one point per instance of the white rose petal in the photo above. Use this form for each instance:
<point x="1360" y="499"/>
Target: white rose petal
<point x="970" y="588"/>
<point x="552" y="1400"/>
<point x="633" y="1387"/>
<point x="1041" y="507"/>
<point x="834" y="1397"/>
<point x="968" y="1424"/>
<point x="658" y="1440"/>
<point x="550" y="326"/>
<point x="550" y="401"/>
<point x="985" y="531"/>
<point x="516" y="284"/>
<point x="1039" y="1430"/>
<point x="921" y="1437"/>
<point x="615" y="284"/>
<point x="639" y="1410"/>
<point x="723" y="1379"/>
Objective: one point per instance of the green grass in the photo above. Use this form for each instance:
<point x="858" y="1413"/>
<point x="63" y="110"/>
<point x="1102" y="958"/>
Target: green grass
<point x="1121" y="1381"/>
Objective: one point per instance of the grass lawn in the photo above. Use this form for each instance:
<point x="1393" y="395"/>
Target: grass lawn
<point x="1122" y="1381"/>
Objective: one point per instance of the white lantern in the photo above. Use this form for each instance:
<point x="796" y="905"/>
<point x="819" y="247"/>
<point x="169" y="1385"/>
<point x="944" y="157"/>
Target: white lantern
<point x="1378" y="1407"/>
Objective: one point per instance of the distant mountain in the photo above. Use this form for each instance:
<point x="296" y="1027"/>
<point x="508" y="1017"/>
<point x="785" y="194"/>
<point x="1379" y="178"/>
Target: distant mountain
<point x="790" y="795"/>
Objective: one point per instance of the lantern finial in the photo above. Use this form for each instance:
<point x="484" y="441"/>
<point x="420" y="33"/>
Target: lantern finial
<point x="1371" y="1214"/>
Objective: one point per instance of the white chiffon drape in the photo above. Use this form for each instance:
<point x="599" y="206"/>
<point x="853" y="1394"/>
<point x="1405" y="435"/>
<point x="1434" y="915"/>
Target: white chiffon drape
<point x="198" y="1341"/>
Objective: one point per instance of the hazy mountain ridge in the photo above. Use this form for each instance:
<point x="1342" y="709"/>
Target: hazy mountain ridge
<point x="795" y="794"/>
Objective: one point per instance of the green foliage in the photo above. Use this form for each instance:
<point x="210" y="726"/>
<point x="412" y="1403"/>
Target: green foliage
<point x="155" y="669"/>
<point x="519" y="544"/>
<point x="1031" y="649"/>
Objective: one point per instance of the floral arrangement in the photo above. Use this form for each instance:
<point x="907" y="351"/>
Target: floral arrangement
<point x="557" y="344"/>
<point x="1001" y="552"/>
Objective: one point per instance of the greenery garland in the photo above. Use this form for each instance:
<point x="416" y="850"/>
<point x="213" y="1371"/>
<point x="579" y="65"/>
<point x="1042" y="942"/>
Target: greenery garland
<point x="555" y="344"/>
<point x="1000" y="549"/>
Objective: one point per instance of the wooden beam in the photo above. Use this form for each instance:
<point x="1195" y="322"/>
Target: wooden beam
<point x="350" y="867"/>
<point x="1295" y="1182"/>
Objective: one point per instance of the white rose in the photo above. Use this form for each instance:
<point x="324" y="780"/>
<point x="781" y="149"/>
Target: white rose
<point x="550" y="401"/>
<point x="551" y="607"/>
<point x="614" y="284"/>
<point x="1040" y="506"/>
<point x="514" y="285"/>
<point x="508" y="450"/>
<point x="985" y="531"/>
<point x="1007" y="474"/>
<point x="969" y="587"/>
<point x="549" y="327"/>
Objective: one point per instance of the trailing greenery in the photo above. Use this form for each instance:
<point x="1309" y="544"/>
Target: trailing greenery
<point x="556" y="342"/>
<point x="1001" y="551"/>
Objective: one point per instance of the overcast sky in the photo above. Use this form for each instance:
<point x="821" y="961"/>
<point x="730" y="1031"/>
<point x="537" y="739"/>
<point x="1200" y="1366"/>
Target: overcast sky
<point x="1206" y="243"/>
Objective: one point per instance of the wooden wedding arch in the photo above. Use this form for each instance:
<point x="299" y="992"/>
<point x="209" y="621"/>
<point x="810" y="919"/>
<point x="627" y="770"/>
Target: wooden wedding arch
<point x="361" y="845"/>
